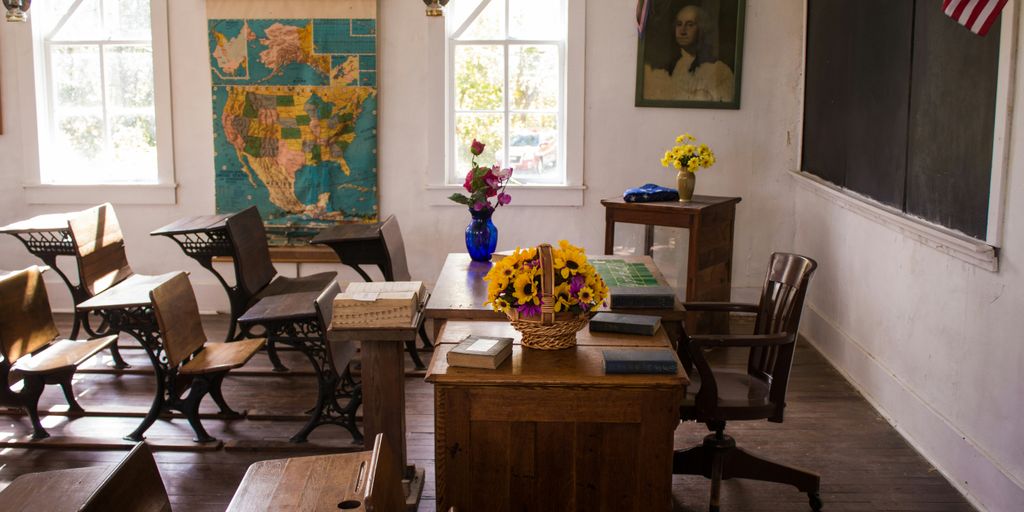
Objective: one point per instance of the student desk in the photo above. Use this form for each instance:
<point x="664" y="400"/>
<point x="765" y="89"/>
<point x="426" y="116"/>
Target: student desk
<point x="710" y="221"/>
<point x="549" y="430"/>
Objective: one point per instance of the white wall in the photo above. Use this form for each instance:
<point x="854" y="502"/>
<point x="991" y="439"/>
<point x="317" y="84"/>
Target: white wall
<point x="933" y="342"/>
<point x="623" y="144"/>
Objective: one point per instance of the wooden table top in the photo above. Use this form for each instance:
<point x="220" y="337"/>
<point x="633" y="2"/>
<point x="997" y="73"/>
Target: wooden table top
<point x="350" y="232"/>
<point x="196" y="224"/>
<point x="580" y="366"/>
<point x="39" y="223"/>
<point x="132" y="292"/>
<point x="454" y="331"/>
<point x="460" y="291"/>
<point x="53" y="491"/>
<point x="303" y="483"/>
<point x="695" y="205"/>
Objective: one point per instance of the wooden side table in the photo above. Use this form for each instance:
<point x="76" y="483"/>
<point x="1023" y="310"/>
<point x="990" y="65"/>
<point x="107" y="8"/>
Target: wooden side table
<point x="710" y="221"/>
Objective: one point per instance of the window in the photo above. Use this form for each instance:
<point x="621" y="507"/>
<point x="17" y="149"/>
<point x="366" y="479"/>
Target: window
<point x="902" y="105"/>
<point x="99" y="99"/>
<point x="507" y="62"/>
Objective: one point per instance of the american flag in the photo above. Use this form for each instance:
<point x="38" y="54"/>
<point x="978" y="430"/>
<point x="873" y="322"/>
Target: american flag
<point x="976" y="15"/>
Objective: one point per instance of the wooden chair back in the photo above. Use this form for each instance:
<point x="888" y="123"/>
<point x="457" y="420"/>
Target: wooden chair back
<point x="384" y="491"/>
<point x="134" y="484"/>
<point x="251" y="253"/>
<point x="341" y="352"/>
<point x="99" y="248"/>
<point x="779" y="309"/>
<point x="391" y="236"/>
<point x="26" y="323"/>
<point x="177" y="314"/>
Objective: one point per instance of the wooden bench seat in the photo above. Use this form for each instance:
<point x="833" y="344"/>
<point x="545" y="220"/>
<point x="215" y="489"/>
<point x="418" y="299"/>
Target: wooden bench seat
<point x="62" y="355"/>
<point x="365" y="481"/>
<point x="134" y="484"/>
<point x="221" y="357"/>
<point x="195" y="364"/>
<point x="27" y="334"/>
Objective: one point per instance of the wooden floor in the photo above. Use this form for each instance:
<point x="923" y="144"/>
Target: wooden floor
<point x="865" y="465"/>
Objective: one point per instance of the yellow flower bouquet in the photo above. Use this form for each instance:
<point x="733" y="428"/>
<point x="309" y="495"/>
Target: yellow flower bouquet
<point x="548" y="293"/>
<point x="687" y="157"/>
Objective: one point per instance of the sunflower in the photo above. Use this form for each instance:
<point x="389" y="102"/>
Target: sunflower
<point x="563" y="298"/>
<point x="526" y="289"/>
<point x="501" y="305"/>
<point x="586" y="295"/>
<point x="570" y="261"/>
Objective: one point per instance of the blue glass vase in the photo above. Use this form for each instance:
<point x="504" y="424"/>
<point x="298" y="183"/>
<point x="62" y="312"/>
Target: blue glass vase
<point x="481" y="235"/>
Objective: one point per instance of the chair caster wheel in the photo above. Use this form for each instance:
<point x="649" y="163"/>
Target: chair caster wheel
<point x="815" y="501"/>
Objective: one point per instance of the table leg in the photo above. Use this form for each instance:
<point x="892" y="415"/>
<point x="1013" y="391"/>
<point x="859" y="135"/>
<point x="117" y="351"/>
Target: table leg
<point x="648" y="239"/>
<point x="709" y="267"/>
<point x="609" y="231"/>
<point x="384" y="393"/>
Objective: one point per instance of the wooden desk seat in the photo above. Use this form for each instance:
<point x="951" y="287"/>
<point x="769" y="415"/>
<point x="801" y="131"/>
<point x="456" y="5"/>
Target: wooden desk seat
<point x="257" y="281"/>
<point x="188" y="354"/>
<point x="367" y="481"/>
<point x="102" y="262"/>
<point x="27" y="332"/>
<point x="133" y="484"/>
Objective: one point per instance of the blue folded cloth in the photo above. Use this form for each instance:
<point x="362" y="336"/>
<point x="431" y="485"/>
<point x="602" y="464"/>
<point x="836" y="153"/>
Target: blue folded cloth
<point x="649" y="193"/>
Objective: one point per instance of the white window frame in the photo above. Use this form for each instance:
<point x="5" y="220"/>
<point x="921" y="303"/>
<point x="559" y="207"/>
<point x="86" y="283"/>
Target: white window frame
<point x="33" y="59"/>
<point x="980" y="253"/>
<point x="440" y="143"/>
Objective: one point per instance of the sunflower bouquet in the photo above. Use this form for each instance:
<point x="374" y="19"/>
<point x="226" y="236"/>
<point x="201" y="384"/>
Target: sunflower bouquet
<point x="688" y="155"/>
<point x="516" y="286"/>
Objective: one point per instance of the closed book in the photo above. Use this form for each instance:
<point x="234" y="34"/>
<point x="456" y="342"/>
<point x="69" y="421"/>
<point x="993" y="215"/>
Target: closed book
<point x="480" y="352"/>
<point x="646" y="325"/>
<point x="640" y="361"/>
<point x="637" y="297"/>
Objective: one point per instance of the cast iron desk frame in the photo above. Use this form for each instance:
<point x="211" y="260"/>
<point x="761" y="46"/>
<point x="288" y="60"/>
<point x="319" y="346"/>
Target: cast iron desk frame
<point x="133" y="314"/>
<point x="46" y="237"/>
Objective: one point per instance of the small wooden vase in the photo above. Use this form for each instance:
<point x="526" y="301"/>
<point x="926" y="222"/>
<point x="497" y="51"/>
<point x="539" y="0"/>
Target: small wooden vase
<point x="685" y="182"/>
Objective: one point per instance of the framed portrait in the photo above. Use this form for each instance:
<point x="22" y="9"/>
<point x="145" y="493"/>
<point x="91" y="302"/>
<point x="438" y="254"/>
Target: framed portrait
<point x="690" y="54"/>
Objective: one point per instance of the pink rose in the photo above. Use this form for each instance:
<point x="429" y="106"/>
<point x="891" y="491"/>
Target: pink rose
<point x="468" y="185"/>
<point x="476" y="147"/>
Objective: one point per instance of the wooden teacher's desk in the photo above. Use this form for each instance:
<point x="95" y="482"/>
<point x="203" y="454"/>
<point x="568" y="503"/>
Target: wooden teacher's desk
<point x="709" y="260"/>
<point x="549" y="430"/>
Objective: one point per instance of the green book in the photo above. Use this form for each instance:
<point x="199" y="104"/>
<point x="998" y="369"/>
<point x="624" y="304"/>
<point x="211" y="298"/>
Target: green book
<point x="645" y="325"/>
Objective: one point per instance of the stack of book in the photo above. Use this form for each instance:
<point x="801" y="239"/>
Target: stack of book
<point x="377" y="304"/>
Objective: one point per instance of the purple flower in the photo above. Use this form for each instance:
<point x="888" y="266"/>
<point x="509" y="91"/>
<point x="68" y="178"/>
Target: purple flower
<point x="504" y="173"/>
<point x="576" y="283"/>
<point x="529" y="310"/>
<point x="480" y="205"/>
<point x="504" y="198"/>
<point x="476" y="147"/>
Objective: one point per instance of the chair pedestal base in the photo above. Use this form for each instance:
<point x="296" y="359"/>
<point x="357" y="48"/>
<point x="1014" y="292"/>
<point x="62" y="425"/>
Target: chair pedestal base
<point x="718" y="458"/>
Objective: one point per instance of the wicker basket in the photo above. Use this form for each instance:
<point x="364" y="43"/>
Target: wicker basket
<point x="550" y="330"/>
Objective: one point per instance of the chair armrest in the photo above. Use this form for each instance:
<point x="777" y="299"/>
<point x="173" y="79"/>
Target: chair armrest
<point x="734" y="307"/>
<point x="738" y="340"/>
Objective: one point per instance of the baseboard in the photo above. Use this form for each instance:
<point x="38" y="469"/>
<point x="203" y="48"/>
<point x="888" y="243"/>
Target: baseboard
<point x="967" y="466"/>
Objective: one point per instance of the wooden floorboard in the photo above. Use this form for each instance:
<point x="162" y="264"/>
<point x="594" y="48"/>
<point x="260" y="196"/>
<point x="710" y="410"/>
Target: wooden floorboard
<point x="829" y="428"/>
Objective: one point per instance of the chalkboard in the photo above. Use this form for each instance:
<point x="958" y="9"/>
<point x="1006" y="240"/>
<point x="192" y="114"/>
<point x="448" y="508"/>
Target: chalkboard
<point x="952" y="114"/>
<point x="899" y="105"/>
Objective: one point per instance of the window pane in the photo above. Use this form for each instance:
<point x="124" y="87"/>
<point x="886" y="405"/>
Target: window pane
<point x="535" y="19"/>
<point x="455" y="13"/>
<point x="533" y="77"/>
<point x="129" y="75"/>
<point x="127" y="19"/>
<point x="490" y="24"/>
<point x="133" y="140"/>
<point x="533" y="148"/>
<point x="76" y="76"/>
<point x="80" y="136"/>
<point x="486" y="128"/>
<point x="479" y="77"/>
<point x="84" y="23"/>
